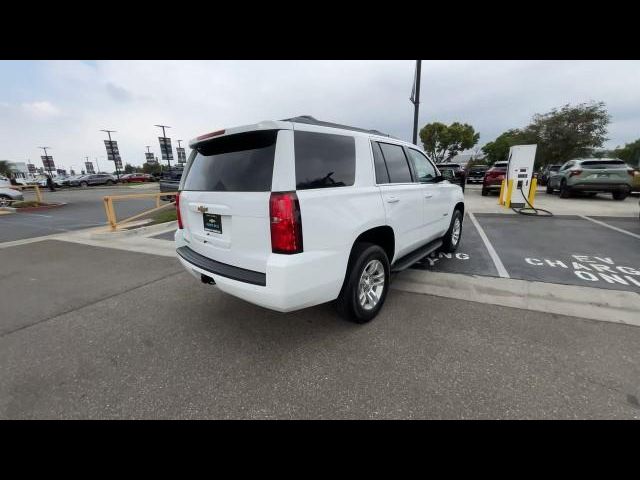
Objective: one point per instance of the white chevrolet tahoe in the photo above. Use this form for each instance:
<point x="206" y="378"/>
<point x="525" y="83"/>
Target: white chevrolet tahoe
<point x="293" y="213"/>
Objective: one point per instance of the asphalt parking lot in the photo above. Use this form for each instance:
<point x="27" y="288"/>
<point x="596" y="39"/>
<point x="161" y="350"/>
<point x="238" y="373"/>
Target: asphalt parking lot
<point x="94" y="332"/>
<point x="104" y="333"/>
<point x="84" y="209"/>
<point x="566" y="249"/>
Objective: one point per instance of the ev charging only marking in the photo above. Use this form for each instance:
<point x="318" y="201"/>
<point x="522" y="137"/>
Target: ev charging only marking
<point x="593" y="269"/>
<point x="492" y="252"/>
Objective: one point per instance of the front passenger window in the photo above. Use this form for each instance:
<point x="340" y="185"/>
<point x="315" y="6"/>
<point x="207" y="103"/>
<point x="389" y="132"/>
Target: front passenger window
<point x="425" y="171"/>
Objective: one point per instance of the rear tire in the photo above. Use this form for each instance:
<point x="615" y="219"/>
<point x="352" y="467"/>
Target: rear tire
<point x="485" y="192"/>
<point x="84" y="185"/>
<point x="549" y="189"/>
<point x="620" y="195"/>
<point x="5" y="200"/>
<point x="361" y="297"/>
<point x="452" y="238"/>
<point x="109" y="182"/>
<point x="565" y="191"/>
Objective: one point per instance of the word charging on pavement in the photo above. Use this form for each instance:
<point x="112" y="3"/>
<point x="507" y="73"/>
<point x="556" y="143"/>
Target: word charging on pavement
<point x="433" y="257"/>
<point x="593" y="269"/>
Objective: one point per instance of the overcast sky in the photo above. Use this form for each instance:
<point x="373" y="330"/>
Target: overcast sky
<point x="64" y="104"/>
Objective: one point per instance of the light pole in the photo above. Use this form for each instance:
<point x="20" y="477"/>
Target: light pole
<point x="415" y="99"/>
<point x="46" y="157"/>
<point x="97" y="165"/>
<point x="164" y="136"/>
<point x="115" y="160"/>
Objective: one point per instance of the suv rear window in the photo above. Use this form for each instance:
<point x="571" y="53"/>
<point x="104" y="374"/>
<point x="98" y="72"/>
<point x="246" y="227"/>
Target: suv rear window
<point x="500" y="164"/>
<point x="236" y="163"/>
<point x="324" y="160"/>
<point x="603" y="163"/>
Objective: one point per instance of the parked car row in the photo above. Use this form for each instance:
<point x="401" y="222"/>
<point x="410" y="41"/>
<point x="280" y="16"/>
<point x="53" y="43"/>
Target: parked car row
<point x="587" y="176"/>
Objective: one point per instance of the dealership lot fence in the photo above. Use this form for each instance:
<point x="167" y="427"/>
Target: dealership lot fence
<point x="111" y="212"/>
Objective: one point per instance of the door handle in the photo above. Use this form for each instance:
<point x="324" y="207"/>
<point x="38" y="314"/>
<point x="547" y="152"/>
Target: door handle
<point x="428" y="195"/>
<point x="393" y="199"/>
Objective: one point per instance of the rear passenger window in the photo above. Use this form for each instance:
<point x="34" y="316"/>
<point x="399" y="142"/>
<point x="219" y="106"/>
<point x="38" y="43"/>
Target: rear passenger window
<point x="423" y="168"/>
<point x="397" y="165"/>
<point x="236" y="163"/>
<point x="324" y="160"/>
<point x="382" y="176"/>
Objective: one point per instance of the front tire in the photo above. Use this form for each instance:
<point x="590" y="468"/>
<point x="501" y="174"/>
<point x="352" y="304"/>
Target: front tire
<point x="549" y="189"/>
<point x="565" y="191"/>
<point x="485" y="192"/>
<point x="452" y="238"/>
<point x="366" y="284"/>
<point x="620" y="195"/>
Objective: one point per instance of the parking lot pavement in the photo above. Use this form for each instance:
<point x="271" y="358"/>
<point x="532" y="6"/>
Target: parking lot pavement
<point x="84" y="209"/>
<point x="147" y="342"/>
<point x="45" y="279"/>
<point x="165" y="236"/>
<point x="562" y="249"/>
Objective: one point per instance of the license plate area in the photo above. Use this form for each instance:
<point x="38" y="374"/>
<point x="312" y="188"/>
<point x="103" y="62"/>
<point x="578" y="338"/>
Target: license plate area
<point x="212" y="222"/>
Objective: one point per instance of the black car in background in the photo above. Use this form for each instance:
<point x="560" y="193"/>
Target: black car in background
<point x="453" y="172"/>
<point x="170" y="180"/>
<point x="475" y="173"/>
<point x="549" y="170"/>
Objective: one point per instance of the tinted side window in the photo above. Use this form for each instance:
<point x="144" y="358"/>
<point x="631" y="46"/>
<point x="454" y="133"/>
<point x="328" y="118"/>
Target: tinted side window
<point x="236" y="163"/>
<point x="324" y="160"/>
<point x="382" y="176"/>
<point x="396" y="161"/>
<point x="424" y="170"/>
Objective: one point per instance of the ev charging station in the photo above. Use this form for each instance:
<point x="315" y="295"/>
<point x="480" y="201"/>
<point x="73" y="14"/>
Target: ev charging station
<point x="519" y="186"/>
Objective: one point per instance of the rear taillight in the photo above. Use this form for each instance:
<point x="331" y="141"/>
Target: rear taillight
<point x="573" y="173"/>
<point x="178" y="211"/>
<point x="286" y="223"/>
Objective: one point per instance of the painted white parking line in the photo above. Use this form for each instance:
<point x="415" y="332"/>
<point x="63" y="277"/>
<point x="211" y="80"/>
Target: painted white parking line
<point x="492" y="252"/>
<point x="635" y="235"/>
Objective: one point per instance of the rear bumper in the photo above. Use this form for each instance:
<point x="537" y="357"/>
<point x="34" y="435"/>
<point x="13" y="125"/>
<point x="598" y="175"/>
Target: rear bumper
<point x="600" y="187"/>
<point x="291" y="282"/>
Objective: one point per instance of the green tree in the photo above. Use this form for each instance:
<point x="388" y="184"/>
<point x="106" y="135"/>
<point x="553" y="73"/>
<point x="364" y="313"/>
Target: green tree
<point x="561" y="134"/>
<point x="630" y="153"/>
<point x="498" y="150"/>
<point x="128" y="168"/>
<point x="151" y="168"/>
<point x="442" y="142"/>
<point x="569" y="132"/>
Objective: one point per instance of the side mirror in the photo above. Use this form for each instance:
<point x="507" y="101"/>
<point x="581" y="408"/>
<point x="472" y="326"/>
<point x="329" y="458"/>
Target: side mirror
<point x="439" y="178"/>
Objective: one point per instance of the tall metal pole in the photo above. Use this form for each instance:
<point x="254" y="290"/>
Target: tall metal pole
<point x="97" y="165"/>
<point x="47" y="159"/>
<point x="115" y="160"/>
<point x="416" y="102"/>
<point x="165" y="145"/>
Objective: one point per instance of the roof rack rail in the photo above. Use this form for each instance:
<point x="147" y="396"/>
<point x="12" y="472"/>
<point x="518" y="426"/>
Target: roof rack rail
<point x="308" y="119"/>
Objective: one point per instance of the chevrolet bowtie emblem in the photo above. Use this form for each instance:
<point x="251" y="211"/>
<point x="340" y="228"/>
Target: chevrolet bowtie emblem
<point x="202" y="209"/>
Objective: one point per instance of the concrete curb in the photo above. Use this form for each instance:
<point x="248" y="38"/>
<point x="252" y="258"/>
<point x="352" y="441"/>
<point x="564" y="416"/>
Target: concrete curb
<point x="43" y="207"/>
<point x="8" y="209"/>
<point x="141" y="231"/>
<point x="585" y="302"/>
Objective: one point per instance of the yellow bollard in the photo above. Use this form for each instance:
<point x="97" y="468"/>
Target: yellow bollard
<point x="532" y="190"/>
<point x="501" y="196"/>
<point x="38" y="194"/>
<point x="509" y="192"/>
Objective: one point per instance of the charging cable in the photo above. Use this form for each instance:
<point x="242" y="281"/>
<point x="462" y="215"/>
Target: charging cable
<point x="531" y="210"/>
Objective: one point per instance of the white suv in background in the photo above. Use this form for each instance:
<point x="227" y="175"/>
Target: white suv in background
<point x="293" y="213"/>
